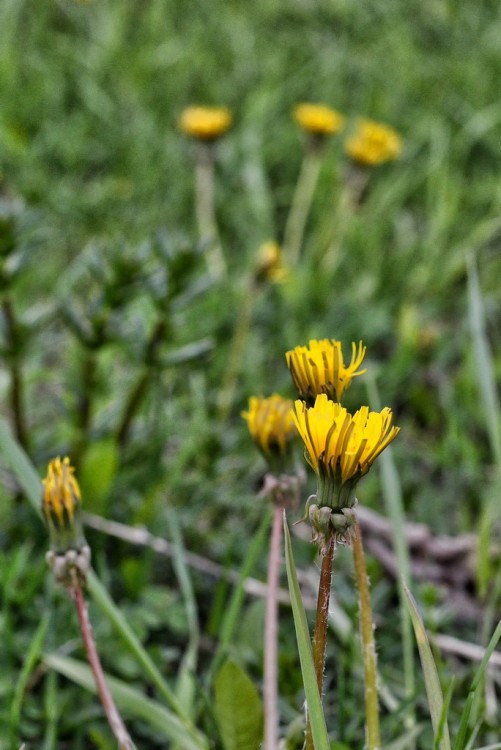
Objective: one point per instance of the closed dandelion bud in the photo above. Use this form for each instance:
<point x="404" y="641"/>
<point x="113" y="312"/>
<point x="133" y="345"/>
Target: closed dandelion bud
<point x="61" y="506"/>
<point x="270" y="266"/>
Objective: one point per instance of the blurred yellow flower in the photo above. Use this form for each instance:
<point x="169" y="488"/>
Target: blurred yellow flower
<point x="205" y="123"/>
<point x="270" y="264"/>
<point x="341" y="448"/>
<point x="271" y="425"/>
<point x="320" y="368"/>
<point x="61" y="491"/>
<point x="373" y="143"/>
<point x="61" y="503"/>
<point x="318" y="119"/>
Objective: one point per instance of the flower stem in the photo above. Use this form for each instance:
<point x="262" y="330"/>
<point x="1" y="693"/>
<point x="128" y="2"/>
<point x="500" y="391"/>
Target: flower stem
<point x="205" y="209"/>
<point x="16" y="381"/>
<point x="237" y="345"/>
<point x="321" y="622"/>
<point x="114" y="719"/>
<point x="368" y="643"/>
<point x="301" y="204"/>
<point x="270" y="688"/>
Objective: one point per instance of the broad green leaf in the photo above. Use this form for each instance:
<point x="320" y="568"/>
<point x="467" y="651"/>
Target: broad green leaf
<point x="432" y="682"/>
<point x="238" y="708"/>
<point x="130" y="701"/>
<point x="315" y="712"/>
<point x="97" y="473"/>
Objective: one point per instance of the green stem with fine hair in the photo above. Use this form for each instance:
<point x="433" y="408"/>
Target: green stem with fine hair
<point x="321" y="623"/>
<point x="301" y="204"/>
<point x="368" y="643"/>
<point x="205" y="209"/>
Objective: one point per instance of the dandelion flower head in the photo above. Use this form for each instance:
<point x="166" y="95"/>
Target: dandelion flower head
<point x="318" y="119"/>
<point x="373" y="143"/>
<point x="271" y="424"/>
<point x="341" y="448"/>
<point x="205" y="123"/>
<point x="270" y="263"/>
<point x="61" y="494"/>
<point x="320" y="368"/>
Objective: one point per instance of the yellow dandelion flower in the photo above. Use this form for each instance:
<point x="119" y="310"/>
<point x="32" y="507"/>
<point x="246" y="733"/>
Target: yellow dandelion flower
<point x="341" y="448"/>
<point x="205" y="123"/>
<point x="320" y="368"/>
<point x="318" y="119"/>
<point x="270" y="264"/>
<point x="61" y="502"/>
<point x="373" y="143"/>
<point x="271" y="426"/>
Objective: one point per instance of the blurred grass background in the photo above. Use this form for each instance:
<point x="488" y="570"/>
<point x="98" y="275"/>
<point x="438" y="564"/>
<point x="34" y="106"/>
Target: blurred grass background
<point x="91" y="94"/>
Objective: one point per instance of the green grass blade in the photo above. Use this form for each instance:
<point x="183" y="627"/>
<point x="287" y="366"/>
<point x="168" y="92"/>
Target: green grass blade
<point x="315" y="711"/>
<point x="231" y="619"/>
<point x="394" y="504"/>
<point x="186" y="682"/>
<point x="30" y="660"/>
<point x="483" y="358"/>
<point x="22" y="467"/>
<point x="130" y="701"/>
<point x="432" y="682"/>
<point x="476" y="685"/>
<point x="107" y="606"/>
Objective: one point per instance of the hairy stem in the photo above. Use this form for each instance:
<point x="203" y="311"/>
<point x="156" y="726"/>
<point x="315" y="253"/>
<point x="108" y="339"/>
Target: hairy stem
<point x="114" y="719"/>
<point x="270" y="688"/>
<point x="368" y="643"/>
<point x="321" y="622"/>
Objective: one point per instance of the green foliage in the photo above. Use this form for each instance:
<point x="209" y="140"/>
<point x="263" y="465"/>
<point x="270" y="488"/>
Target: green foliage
<point x="115" y="340"/>
<point x="238" y="708"/>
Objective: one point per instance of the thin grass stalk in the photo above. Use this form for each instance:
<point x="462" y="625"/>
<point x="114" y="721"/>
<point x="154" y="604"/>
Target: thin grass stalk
<point x="270" y="686"/>
<point x="321" y="624"/>
<point x="114" y="719"/>
<point x="140" y="388"/>
<point x="16" y="392"/>
<point x="84" y="413"/>
<point x="392" y="494"/>
<point x="373" y="738"/>
<point x="301" y="205"/>
<point x="205" y="210"/>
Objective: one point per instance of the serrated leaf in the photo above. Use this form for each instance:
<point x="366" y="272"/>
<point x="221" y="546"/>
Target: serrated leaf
<point x="238" y="708"/>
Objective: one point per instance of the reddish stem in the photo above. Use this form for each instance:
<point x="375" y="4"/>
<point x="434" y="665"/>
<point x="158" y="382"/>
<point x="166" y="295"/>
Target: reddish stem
<point x="114" y="718"/>
<point x="321" y="623"/>
<point x="270" y="687"/>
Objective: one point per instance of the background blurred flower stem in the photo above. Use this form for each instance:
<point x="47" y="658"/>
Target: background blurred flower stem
<point x="227" y="393"/>
<point x="114" y="719"/>
<point x="139" y="389"/>
<point x="321" y="622"/>
<point x="368" y="643"/>
<point x="84" y="411"/>
<point x="16" y="393"/>
<point x="301" y="204"/>
<point x="205" y="209"/>
<point x="270" y="686"/>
